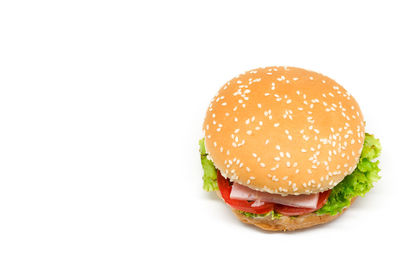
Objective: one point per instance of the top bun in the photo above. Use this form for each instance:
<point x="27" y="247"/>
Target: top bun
<point x="284" y="130"/>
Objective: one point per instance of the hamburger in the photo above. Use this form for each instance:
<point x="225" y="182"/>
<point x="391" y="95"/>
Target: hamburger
<point x="285" y="148"/>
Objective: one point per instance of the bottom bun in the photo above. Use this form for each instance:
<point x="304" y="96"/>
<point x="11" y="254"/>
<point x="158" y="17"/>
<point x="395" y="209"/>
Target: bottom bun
<point x="287" y="223"/>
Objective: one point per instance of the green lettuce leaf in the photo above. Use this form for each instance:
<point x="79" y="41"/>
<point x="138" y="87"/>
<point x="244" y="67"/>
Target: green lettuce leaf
<point x="210" y="173"/>
<point x="357" y="183"/>
<point x="274" y="215"/>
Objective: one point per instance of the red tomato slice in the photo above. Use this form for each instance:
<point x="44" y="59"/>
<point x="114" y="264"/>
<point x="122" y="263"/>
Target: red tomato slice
<point x="225" y="188"/>
<point x="293" y="211"/>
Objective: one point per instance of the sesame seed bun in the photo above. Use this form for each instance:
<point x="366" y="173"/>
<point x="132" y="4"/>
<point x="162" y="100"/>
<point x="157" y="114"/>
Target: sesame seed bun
<point x="284" y="130"/>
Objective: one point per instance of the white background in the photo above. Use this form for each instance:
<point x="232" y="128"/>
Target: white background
<point x="101" y="106"/>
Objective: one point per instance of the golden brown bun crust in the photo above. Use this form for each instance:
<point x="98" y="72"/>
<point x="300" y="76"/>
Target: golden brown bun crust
<point x="286" y="223"/>
<point x="284" y="130"/>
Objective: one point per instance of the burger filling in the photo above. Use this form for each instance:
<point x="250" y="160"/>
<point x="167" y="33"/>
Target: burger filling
<point x="242" y="192"/>
<point x="253" y="203"/>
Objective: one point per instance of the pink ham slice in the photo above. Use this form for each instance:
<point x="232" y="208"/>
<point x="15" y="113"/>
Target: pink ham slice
<point x="301" y="201"/>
